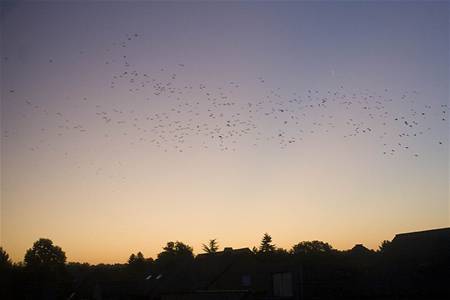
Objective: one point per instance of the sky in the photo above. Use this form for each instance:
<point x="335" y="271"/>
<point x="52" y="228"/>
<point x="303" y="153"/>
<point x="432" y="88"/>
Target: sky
<point x="125" y="125"/>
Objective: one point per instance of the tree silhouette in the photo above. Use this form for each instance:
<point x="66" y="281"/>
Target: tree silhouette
<point x="174" y="252"/>
<point x="136" y="259"/>
<point x="44" y="254"/>
<point x="281" y="252"/>
<point x="6" y="275"/>
<point x="212" y="246"/>
<point x="132" y="259"/>
<point x="138" y="263"/>
<point x="177" y="249"/>
<point x="266" y="245"/>
<point x="45" y="264"/>
<point x="140" y="256"/>
<point x="311" y="247"/>
<point x="384" y="246"/>
<point x="5" y="261"/>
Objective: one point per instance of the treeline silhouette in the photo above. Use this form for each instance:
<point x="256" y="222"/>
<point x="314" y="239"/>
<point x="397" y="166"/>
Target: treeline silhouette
<point x="319" y="272"/>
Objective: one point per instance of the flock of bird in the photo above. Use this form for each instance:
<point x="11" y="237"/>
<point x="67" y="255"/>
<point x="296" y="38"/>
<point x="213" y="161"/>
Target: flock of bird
<point x="179" y="116"/>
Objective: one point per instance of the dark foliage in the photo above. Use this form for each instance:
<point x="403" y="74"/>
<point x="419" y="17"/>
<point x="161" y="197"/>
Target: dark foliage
<point x="398" y="270"/>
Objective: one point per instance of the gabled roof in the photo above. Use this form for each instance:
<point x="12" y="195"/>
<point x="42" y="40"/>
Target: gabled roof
<point x="429" y="244"/>
<point x="440" y="233"/>
<point x="210" y="267"/>
<point x="227" y="251"/>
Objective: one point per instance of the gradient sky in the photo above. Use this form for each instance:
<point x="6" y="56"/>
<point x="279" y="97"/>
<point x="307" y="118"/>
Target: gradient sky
<point x="104" y="190"/>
